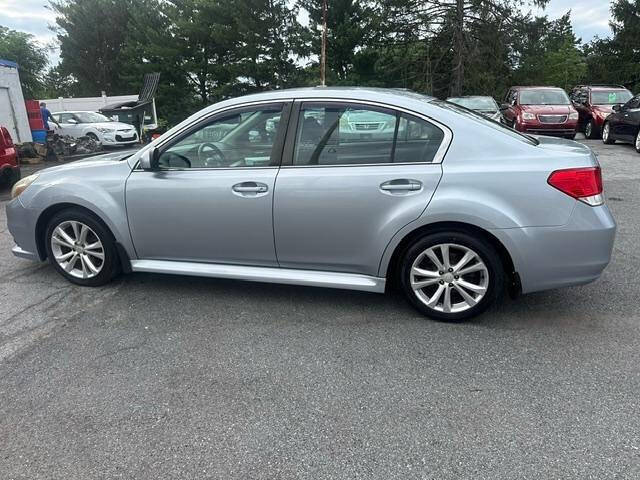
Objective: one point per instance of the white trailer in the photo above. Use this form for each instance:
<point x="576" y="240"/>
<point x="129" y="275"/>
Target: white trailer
<point x="13" y="113"/>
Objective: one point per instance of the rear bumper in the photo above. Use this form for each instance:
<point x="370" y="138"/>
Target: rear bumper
<point x="567" y="255"/>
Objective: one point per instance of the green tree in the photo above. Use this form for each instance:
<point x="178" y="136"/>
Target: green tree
<point x="92" y="35"/>
<point x="30" y="56"/>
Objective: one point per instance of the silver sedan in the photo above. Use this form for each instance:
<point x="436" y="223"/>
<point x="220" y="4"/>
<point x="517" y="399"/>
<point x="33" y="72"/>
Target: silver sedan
<point x="344" y="188"/>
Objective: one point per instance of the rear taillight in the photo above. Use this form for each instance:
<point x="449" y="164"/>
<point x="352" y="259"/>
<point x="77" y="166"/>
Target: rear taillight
<point x="584" y="184"/>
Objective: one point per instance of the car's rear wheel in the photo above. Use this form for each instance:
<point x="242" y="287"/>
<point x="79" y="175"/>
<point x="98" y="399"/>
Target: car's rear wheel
<point x="452" y="276"/>
<point x="606" y="134"/>
<point x="637" y="142"/>
<point x="590" y="130"/>
<point x="81" y="248"/>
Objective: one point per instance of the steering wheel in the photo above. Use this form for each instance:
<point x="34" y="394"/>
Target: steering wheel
<point x="206" y="159"/>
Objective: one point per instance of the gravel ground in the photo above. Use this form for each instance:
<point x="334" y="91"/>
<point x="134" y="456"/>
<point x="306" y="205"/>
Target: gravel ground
<point x="175" y="377"/>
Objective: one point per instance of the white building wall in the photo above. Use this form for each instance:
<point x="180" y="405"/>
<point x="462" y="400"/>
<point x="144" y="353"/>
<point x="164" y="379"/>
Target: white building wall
<point x="13" y="113"/>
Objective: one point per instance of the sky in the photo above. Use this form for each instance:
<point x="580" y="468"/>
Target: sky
<point x="589" y="18"/>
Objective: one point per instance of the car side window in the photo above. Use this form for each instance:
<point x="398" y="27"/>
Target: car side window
<point x="632" y="104"/>
<point x="65" y="117"/>
<point x="241" y="138"/>
<point x="353" y="134"/>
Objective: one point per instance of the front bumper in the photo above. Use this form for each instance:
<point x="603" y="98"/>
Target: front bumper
<point x="119" y="138"/>
<point x="21" y="223"/>
<point x="538" y="128"/>
<point x="567" y="255"/>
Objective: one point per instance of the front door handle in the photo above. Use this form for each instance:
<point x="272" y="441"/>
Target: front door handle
<point x="401" y="185"/>
<point x="250" y="189"/>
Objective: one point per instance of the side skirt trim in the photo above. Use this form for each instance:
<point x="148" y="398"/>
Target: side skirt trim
<point x="312" y="278"/>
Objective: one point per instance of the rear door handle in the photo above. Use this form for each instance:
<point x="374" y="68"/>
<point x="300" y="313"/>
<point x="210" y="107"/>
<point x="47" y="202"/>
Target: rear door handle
<point x="401" y="185"/>
<point x="248" y="189"/>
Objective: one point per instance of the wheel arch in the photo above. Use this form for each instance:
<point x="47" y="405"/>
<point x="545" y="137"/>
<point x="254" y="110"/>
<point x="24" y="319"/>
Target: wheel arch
<point x="390" y="270"/>
<point x="48" y="213"/>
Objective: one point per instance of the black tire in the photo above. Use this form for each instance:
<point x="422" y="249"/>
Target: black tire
<point x="607" y="138"/>
<point x="494" y="267"/>
<point x="93" y="136"/>
<point x="591" y="130"/>
<point x="9" y="177"/>
<point x="637" y="142"/>
<point x="110" y="265"/>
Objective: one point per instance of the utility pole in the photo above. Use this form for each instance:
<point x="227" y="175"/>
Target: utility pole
<point x="323" y="55"/>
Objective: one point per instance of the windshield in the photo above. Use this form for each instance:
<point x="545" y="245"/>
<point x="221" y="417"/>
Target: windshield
<point x="479" y="118"/>
<point x="91" y="117"/>
<point x="544" y="97"/>
<point x="484" y="104"/>
<point x="610" y="97"/>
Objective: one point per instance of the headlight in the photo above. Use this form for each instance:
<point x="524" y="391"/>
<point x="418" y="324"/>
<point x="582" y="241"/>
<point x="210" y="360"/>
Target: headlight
<point x="573" y="116"/>
<point x="528" y="116"/>
<point x="104" y="130"/>
<point x="22" y="185"/>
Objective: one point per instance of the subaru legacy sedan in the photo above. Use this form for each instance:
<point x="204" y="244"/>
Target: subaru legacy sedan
<point x="330" y="187"/>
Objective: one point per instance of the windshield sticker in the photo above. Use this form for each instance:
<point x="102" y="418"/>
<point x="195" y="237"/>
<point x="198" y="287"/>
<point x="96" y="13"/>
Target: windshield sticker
<point x="613" y="97"/>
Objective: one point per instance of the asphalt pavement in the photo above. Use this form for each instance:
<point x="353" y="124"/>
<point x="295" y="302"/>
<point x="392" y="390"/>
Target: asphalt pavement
<point x="172" y="377"/>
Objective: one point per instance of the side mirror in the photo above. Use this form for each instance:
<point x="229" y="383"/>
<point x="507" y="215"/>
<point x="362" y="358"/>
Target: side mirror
<point x="616" y="108"/>
<point x="149" y="159"/>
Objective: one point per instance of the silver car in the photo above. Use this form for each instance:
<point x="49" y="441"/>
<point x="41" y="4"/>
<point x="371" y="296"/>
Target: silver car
<point x="288" y="187"/>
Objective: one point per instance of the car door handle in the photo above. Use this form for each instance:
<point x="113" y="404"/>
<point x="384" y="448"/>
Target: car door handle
<point x="401" y="185"/>
<point x="250" y="188"/>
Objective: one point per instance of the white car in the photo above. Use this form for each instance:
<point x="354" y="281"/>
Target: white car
<point x="95" y="125"/>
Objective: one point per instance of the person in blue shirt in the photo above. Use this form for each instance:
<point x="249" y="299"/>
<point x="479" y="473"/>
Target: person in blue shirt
<point x="46" y="116"/>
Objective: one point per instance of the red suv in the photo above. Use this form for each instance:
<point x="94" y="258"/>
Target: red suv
<point x="9" y="165"/>
<point x="540" y="111"/>
<point x="595" y="103"/>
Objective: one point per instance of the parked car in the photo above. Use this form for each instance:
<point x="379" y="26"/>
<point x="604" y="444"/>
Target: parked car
<point x="96" y="126"/>
<point x="454" y="223"/>
<point x="540" y="110"/>
<point x="595" y="103"/>
<point x="623" y="124"/>
<point x="9" y="163"/>
<point x="484" y="105"/>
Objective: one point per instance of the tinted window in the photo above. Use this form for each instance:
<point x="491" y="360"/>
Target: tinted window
<point x="417" y="141"/>
<point x="633" y="103"/>
<point x="610" y="97"/>
<point x="244" y="138"/>
<point x="338" y="134"/>
<point x="543" y="96"/>
<point x="350" y="134"/>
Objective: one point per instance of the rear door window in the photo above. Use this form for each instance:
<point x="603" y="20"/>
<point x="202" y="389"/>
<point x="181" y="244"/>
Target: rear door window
<point x="355" y="134"/>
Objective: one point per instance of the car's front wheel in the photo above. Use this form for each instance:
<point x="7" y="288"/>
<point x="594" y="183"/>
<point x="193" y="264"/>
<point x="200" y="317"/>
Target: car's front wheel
<point x="81" y="248"/>
<point x="637" y="142"/>
<point x="606" y="134"/>
<point x="452" y="276"/>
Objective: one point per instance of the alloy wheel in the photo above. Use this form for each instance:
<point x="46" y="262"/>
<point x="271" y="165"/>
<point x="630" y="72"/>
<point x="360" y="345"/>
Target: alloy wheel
<point x="449" y="278"/>
<point x="638" y="142"/>
<point x="588" y="130"/>
<point x="605" y="132"/>
<point x="77" y="249"/>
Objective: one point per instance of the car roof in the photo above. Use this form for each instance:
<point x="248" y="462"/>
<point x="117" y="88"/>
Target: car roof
<point x="536" y="88"/>
<point x="471" y="96"/>
<point x="392" y="96"/>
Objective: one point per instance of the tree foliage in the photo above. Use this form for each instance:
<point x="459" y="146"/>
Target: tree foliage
<point x="207" y="50"/>
<point x="30" y="56"/>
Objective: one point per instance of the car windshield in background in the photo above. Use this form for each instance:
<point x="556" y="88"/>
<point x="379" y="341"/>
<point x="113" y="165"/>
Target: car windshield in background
<point x="544" y="97"/>
<point x="610" y="97"/>
<point x="485" y="104"/>
<point x="479" y="118"/>
<point x="91" y="117"/>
